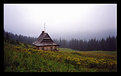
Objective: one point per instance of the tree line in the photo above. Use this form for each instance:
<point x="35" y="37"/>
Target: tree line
<point x="108" y="44"/>
<point x="15" y="39"/>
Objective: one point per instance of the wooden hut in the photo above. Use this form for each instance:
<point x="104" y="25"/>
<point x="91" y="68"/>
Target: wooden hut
<point x="44" y="42"/>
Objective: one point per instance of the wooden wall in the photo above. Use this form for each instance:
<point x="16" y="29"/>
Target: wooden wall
<point x="47" y="48"/>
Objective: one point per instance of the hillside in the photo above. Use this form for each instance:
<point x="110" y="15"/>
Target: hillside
<point x="24" y="58"/>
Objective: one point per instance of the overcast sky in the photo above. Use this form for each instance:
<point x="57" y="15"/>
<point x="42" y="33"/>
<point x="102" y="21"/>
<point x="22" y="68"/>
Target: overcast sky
<point x="81" y="21"/>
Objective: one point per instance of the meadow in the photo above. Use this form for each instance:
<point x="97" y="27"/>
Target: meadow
<point x="19" y="58"/>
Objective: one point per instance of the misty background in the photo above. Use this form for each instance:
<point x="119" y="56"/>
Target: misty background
<point x="66" y="21"/>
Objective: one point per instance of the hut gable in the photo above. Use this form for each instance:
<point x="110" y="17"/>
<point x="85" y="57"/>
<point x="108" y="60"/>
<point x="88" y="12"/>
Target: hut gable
<point x="44" y="40"/>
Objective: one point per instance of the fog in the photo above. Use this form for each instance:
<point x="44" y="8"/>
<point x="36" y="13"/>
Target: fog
<point x="80" y="21"/>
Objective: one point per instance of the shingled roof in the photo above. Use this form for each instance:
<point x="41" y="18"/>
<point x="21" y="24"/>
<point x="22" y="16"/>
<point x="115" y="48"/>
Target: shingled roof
<point x="44" y="40"/>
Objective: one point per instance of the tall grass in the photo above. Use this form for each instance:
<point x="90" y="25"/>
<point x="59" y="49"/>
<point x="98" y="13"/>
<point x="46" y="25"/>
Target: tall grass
<point x="21" y="59"/>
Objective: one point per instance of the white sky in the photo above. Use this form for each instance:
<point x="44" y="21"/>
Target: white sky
<point x="62" y="20"/>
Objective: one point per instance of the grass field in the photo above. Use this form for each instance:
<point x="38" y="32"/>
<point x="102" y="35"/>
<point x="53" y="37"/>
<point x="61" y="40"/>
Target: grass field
<point x="18" y="58"/>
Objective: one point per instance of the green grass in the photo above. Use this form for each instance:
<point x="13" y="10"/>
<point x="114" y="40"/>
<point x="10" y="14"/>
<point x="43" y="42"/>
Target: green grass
<point x="98" y="52"/>
<point x="66" y="50"/>
<point x="18" y="58"/>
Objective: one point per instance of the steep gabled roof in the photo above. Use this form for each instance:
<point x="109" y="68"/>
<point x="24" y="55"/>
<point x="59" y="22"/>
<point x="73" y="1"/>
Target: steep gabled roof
<point x="44" y="40"/>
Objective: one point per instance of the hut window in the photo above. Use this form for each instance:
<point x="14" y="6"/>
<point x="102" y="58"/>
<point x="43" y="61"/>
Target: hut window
<point x="42" y="48"/>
